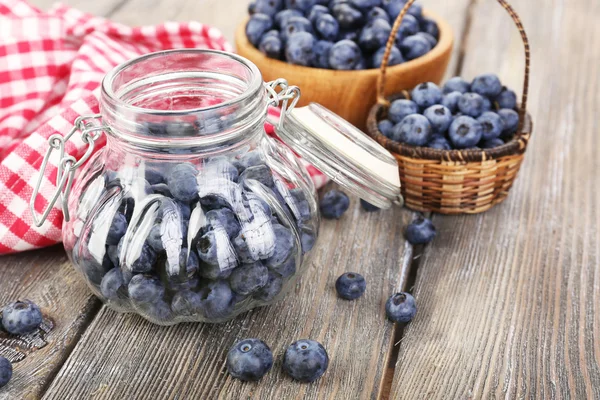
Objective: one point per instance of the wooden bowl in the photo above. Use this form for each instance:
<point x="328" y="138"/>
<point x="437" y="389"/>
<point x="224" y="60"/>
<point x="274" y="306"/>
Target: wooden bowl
<point x="351" y="94"/>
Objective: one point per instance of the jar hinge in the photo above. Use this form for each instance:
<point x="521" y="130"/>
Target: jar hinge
<point x="285" y="94"/>
<point x="67" y="165"/>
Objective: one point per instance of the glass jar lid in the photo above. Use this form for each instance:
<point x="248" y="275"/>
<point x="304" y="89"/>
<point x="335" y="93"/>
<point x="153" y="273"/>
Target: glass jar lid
<point x="342" y="152"/>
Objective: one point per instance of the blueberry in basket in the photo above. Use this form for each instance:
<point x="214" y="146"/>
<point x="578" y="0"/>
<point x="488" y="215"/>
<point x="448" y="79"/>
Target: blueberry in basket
<point x="481" y="114"/>
<point x="340" y="34"/>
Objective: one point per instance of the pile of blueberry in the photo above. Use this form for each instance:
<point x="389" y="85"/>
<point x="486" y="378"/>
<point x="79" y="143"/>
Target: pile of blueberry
<point x="187" y="242"/>
<point x="339" y="34"/>
<point x="461" y="115"/>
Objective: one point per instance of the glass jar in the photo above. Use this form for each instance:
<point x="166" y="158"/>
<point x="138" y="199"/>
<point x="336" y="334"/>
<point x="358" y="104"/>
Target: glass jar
<point x="191" y="212"/>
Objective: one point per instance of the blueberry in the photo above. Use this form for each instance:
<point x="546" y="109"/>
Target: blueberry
<point x="271" y="289"/>
<point x="378" y="12"/>
<point x="113" y="284"/>
<point x="399" y="109"/>
<point x="21" y="317"/>
<point x="457" y="84"/>
<point x="225" y="218"/>
<point x="257" y="26"/>
<point x="251" y="159"/>
<point x="117" y="229"/>
<point x="374" y="35"/>
<point x="414" y="46"/>
<point x="394" y="7"/>
<point x="395" y="57"/>
<point x="145" y="259"/>
<point x="507" y="99"/>
<point x="256" y="204"/>
<point x="465" y="132"/>
<point x="305" y="360"/>
<point x="260" y="173"/>
<point x="420" y="231"/>
<point x="268" y="7"/>
<point x="298" y="49"/>
<point x="284" y="246"/>
<point x="431" y="27"/>
<point x="187" y="303"/>
<point x="385" y="127"/>
<point x="334" y="204"/>
<point x="154" y="176"/>
<point x="432" y="41"/>
<point x="346" y="34"/>
<point x="401" y="307"/>
<point x="511" y="121"/>
<point x="213" y="272"/>
<point x="368" y="207"/>
<point x="307" y="240"/>
<point x="491" y="143"/>
<point x="248" y="278"/>
<point x="282" y="17"/>
<point x="301" y="5"/>
<point x="439" y="143"/>
<point x="207" y="248"/>
<point x="295" y="25"/>
<point x="155" y="239"/>
<point x="364" y="5"/>
<point x="217" y="299"/>
<point x="287" y="269"/>
<point x="414" y="130"/>
<point x="271" y="46"/>
<point x="159" y="311"/>
<point x="471" y="104"/>
<point x="252" y="7"/>
<point x="450" y="100"/>
<point x="162" y="189"/>
<point x="6" y="371"/>
<point x="347" y="16"/>
<point x="491" y="125"/>
<point x="146" y="289"/>
<point x="182" y="182"/>
<point x="242" y="250"/>
<point x="327" y="27"/>
<point x="486" y="85"/>
<point x="350" y="285"/>
<point x="440" y="118"/>
<point x="344" y="55"/>
<point x="426" y="94"/>
<point x="296" y="201"/>
<point x="317" y="11"/>
<point x="408" y="27"/>
<point x="189" y="262"/>
<point x="249" y="360"/>
<point x="321" y="53"/>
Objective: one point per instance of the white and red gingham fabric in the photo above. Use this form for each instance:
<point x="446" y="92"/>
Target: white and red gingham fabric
<point x="51" y="67"/>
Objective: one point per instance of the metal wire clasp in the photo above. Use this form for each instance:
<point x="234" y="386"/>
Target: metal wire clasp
<point x="285" y="94"/>
<point x="67" y="165"/>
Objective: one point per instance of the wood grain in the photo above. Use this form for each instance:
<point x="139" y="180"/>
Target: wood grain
<point x="124" y="357"/>
<point x="47" y="278"/>
<point x="509" y="300"/>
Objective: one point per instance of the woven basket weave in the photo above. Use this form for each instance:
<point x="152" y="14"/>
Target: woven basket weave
<point x="454" y="181"/>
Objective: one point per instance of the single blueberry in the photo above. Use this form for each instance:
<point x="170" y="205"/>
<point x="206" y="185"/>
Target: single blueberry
<point x="284" y="246"/>
<point x="507" y="99"/>
<point x="431" y="27"/>
<point x="327" y="27"/>
<point x="408" y="27"/>
<point x="187" y="303"/>
<point x="414" y="46"/>
<point x="350" y="285"/>
<point x="268" y="7"/>
<point x="6" y="371"/>
<point x="399" y="109"/>
<point x="21" y="317"/>
<point x="182" y="182"/>
<point x="439" y="143"/>
<point x="287" y="269"/>
<point x="491" y="125"/>
<point x="257" y="26"/>
<point x="377" y="12"/>
<point x="271" y="289"/>
<point x="260" y="173"/>
<point x="491" y="143"/>
<point x="471" y="104"/>
<point x="113" y="284"/>
<point x="252" y="7"/>
<point x="299" y="49"/>
<point x="414" y="130"/>
<point x="488" y="85"/>
<point x="283" y="16"/>
<point x="347" y="16"/>
<point x="457" y="84"/>
<point x="374" y="35"/>
<point x="117" y="229"/>
<point x="432" y="41"/>
<point x="465" y="132"/>
<point x="487" y="104"/>
<point x="440" y="118"/>
<point x="248" y="278"/>
<point x="385" y="127"/>
<point x="146" y="289"/>
<point x="305" y="360"/>
<point x="364" y="5"/>
<point x="344" y="55"/>
<point x="301" y="5"/>
<point x="511" y="121"/>
<point x="368" y="207"/>
<point x="395" y="57"/>
<point x="145" y="260"/>
<point x="226" y="218"/>
<point x="334" y="204"/>
<point x="317" y="11"/>
<point x="420" y="231"/>
<point x="217" y="299"/>
<point x="249" y="360"/>
<point x="295" y="25"/>
<point x="426" y="95"/>
<point x="401" y="307"/>
<point x="450" y="101"/>
<point x="321" y="53"/>
<point x="271" y="46"/>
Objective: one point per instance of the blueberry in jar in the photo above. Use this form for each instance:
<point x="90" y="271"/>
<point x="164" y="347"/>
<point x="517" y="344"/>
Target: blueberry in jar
<point x="117" y="229"/>
<point x="145" y="289"/>
<point x="182" y="182"/>
<point x="249" y="360"/>
<point x="217" y="299"/>
<point x="187" y="303"/>
<point x="248" y="278"/>
<point x="285" y="244"/>
<point x="113" y="284"/>
<point x="271" y="289"/>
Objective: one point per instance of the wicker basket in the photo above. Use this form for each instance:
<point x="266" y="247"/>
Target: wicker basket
<point x="454" y="181"/>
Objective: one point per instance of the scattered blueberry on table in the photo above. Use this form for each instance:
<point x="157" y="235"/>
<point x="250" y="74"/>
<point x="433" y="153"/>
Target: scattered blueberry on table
<point x="249" y="360"/>
<point x="21" y="317"/>
<point x="341" y="35"/>
<point x="401" y="307"/>
<point x="420" y="231"/>
<point x="459" y="115"/>
<point x="334" y="204"/>
<point x="6" y="371"/>
<point x="305" y="360"/>
<point x="350" y="285"/>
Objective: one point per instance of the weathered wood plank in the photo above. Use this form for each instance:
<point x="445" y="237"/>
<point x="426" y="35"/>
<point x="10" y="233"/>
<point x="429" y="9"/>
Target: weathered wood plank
<point x="121" y="356"/>
<point x="508" y="300"/>
<point x="47" y="278"/>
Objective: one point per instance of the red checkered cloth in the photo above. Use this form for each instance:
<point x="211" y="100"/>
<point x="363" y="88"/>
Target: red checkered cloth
<point x="51" y="67"/>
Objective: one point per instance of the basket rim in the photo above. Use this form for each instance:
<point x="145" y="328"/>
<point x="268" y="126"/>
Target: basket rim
<point x="517" y="145"/>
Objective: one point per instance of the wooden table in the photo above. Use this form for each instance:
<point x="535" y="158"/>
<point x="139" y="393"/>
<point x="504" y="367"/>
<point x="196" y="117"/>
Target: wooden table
<point x="508" y="300"/>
